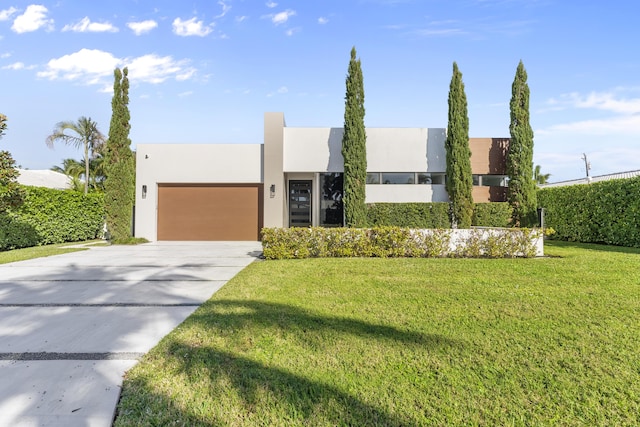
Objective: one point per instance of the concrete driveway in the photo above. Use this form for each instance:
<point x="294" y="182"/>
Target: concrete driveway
<point x="71" y="325"/>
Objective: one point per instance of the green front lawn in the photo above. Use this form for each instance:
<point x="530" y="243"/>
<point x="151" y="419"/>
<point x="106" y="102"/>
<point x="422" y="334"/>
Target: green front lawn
<point x="38" y="252"/>
<point x="400" y="342"/>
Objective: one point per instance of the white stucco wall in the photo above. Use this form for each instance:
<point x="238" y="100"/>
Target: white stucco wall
<point x="405" y="193"/>
<point x="388" y="150"/>
<point x="189" y="164"/>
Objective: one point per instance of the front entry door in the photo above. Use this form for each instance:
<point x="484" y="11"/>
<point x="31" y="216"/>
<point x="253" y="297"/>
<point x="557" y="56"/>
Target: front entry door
<point x="300" y="203"/>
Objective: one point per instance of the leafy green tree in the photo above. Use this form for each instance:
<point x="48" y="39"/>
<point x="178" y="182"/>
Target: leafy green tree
<point x="539" y="177"/>
<point x="119" y="164"/>
<point x="521" y="193"/>
<point x="11" y="194"/>
<point x="459" y="183"/>
<point x="354" y="141"/>
<point x="85" y="134"/>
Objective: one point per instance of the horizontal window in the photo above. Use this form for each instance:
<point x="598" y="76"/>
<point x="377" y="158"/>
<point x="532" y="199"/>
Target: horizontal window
<point x="437" y="178"/>
<point x="431" y="178"/>
<point x="373" y="178"/>
<point x="490" y="180"/>
<point x="494" y="180"/>
<point x="398" y="178"/>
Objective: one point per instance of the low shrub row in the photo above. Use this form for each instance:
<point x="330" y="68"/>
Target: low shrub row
<point x="52" y="216"/>
<point x="297" y="243"/>
<point x="435" y="215"/>
<point x="604" y="212"/>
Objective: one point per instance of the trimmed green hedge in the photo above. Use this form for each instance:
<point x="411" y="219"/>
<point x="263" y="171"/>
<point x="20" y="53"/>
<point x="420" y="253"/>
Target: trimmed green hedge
<point x="494" y="214"/>
<point x="52" y="216"/>
<point x="604" y="212"/>
<point x="383" y="242"/>
<point x="435" y="215"/>
<point x="412" y="215"/>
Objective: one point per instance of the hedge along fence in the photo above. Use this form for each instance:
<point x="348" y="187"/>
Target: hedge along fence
<point x="383" y="242"/>
<point x="435" y="215"/>
<point x="603" y="212"/>
<point x="52" y="216"/>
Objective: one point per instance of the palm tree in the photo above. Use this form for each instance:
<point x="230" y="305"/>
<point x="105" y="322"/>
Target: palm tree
<point x="86" y="135"/>
<point x="75" y="170"/>
<point x="539" y="177"/>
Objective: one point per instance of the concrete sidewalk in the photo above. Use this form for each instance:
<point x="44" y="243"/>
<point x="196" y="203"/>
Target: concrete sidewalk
<point x="71" y="325"/>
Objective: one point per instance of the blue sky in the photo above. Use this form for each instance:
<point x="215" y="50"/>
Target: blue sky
<point x="206" y="71"/>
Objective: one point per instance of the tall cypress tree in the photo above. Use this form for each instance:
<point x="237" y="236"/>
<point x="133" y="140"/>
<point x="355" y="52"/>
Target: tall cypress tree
<point x="119" y="184"/>
<point x="459" y="182"/>
<point x="521" y="193"/>
<point x="354" y="141"/>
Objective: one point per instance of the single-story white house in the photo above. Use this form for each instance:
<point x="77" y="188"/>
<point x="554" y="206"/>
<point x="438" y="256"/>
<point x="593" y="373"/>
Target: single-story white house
<point x="44" y="178"/>
<point x="294" y="178"/>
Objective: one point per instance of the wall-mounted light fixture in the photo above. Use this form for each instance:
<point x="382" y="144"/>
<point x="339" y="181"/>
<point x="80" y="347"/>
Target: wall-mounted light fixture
<point x="146" y="156"/>
<point x="272" y="191"/>
<point x="144" y="191"/>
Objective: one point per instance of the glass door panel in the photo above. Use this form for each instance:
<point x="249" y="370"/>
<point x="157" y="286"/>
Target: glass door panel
<point x="300" y="203"/>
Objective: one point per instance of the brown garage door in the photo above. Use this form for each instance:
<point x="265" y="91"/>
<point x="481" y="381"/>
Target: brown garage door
<point x="209" y="212"/>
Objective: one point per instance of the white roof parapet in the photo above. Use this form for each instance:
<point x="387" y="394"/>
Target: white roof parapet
<point x="585" y="180"/>
<point x="44" y="178"/>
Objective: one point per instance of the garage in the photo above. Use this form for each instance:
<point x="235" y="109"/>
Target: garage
<point x="209" y="211"/>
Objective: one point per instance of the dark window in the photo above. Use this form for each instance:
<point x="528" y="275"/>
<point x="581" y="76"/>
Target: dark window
<point x="398" y="178"/>
<point x="331" y="206"/>
<point x="373" y="178"/>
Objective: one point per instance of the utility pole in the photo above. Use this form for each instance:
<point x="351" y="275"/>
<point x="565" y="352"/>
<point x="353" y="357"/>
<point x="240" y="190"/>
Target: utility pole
<point x="587" y="166"/>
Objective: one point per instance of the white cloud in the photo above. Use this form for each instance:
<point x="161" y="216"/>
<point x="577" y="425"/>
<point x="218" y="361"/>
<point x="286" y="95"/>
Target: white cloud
<point x="157" y="69"/>
<point x="280" y="91"/>
<point x="95" y="67"/>
<point x="7" y="13"/>
<point x="185" y="94"/>
<point x="292" y="31"/>
<point x="624" y="112"/>
<point x="191" y="27"/>
<point x="14" y="66"/>
<point x="322" y="20"/>
<point x="241" y="18"/>
<point x="627" y="124"/>
<point x="282" y="17"/>
<point x="225" y="8"/>
<point x="86" y="26"/>
<point x="34" y="18"/>
<point x="142" y="27"/>
<point x="606" y="101"/>
<point x="5" y="55"/>
<point x="87" y="65"/>
<point x="271" y="4"/>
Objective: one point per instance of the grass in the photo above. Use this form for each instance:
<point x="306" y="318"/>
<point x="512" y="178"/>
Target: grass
<point x="39" y="252"/>
<point x="402" y="342"/>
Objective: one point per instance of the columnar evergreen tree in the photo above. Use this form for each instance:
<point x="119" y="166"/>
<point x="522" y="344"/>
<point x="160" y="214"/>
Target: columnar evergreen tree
<point x="354" y="141"/>
<point x="11" y="194"/>
<point x="459" y="182"/>
<point x="521" y="193"/>
<point x="119" y="162"/>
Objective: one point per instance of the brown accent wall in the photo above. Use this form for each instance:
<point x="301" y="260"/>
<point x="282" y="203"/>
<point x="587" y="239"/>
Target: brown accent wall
<point x="489" y="194"/>
<point x="488" y="155"/>
<point x="210" y="212"/>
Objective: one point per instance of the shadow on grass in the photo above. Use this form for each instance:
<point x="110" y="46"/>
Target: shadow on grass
<point x="288" y="398"/>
